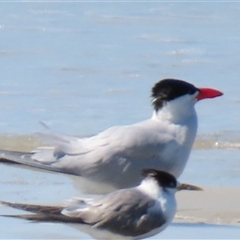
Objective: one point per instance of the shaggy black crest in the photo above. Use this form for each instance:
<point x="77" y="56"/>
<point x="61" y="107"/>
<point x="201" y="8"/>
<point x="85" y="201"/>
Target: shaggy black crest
<point x="169" y="89"/>
<point x="164" y="179"/>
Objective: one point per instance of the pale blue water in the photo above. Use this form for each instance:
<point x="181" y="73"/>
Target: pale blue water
<point x="83" y="67"/>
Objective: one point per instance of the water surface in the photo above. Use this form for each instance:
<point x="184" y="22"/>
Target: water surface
<point x="83" y="67"/>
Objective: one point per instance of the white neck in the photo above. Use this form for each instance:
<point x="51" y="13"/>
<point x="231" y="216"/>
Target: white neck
<point x="166" y="198"/>
<point x="150" y="187"/>
<point x="178" y="111"/>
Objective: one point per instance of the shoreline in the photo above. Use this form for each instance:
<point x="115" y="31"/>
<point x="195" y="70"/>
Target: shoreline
<point x="213" y="205"/>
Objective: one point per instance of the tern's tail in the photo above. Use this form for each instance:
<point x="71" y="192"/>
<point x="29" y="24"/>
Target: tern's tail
<point x="40" y="160"/>
<point x="41" y="213"/>
<point x="13" y="157"/>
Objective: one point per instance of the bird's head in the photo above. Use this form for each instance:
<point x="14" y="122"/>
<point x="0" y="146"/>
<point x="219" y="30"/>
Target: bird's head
<point x="169" y="90"/>
<point x="167" y="181"/>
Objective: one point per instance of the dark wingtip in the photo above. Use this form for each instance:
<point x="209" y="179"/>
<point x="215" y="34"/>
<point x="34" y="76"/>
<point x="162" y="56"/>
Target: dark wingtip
<point x="8" y="161"/>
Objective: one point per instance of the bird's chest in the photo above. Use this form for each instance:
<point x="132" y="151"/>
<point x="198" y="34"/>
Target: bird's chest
<point x="173" y="154"/>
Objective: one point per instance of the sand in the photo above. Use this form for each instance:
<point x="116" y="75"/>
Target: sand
<point x="215" y="205"/>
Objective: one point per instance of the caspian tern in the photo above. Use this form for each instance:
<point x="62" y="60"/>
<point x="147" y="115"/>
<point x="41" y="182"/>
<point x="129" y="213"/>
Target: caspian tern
<point x="133" y="213"/>
<point x="114" y="158"/>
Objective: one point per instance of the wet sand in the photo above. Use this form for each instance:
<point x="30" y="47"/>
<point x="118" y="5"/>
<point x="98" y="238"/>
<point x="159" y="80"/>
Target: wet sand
<point x="214" y="205"/>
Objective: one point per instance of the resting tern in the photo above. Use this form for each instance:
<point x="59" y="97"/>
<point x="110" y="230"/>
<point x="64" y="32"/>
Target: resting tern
<point x="114" y="158"/>
<point x="133" y="213"/>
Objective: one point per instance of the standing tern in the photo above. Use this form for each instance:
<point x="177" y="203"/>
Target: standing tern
<point x="133" y="213"/>
<point x="114" y="158"/>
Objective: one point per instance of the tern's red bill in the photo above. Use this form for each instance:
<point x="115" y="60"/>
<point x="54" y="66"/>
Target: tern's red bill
<point x="208" y="93"/>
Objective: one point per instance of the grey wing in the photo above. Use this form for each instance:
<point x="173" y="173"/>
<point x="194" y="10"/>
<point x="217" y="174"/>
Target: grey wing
<point x="33" y="208"/>
<point x="61" y="155"/>
<point x="41" y="213"/>
<point x="127" y="151"/>
<point x="114" y="151"/>
<point x="126" y="212"/>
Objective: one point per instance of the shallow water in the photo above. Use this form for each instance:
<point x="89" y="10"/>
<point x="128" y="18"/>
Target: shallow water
<point x="27" y="230"/>
<point x="83" y="67"/>
<point x="200" y="231"/>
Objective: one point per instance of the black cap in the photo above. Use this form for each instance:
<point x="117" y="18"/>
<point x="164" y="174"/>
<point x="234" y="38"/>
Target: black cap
<point x="169" y="89"/>
<point x="164" y="179"/>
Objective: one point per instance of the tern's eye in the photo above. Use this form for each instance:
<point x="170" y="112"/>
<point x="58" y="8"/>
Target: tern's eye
<point x="192" y="91"/>
<point x="172" y="184"/>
